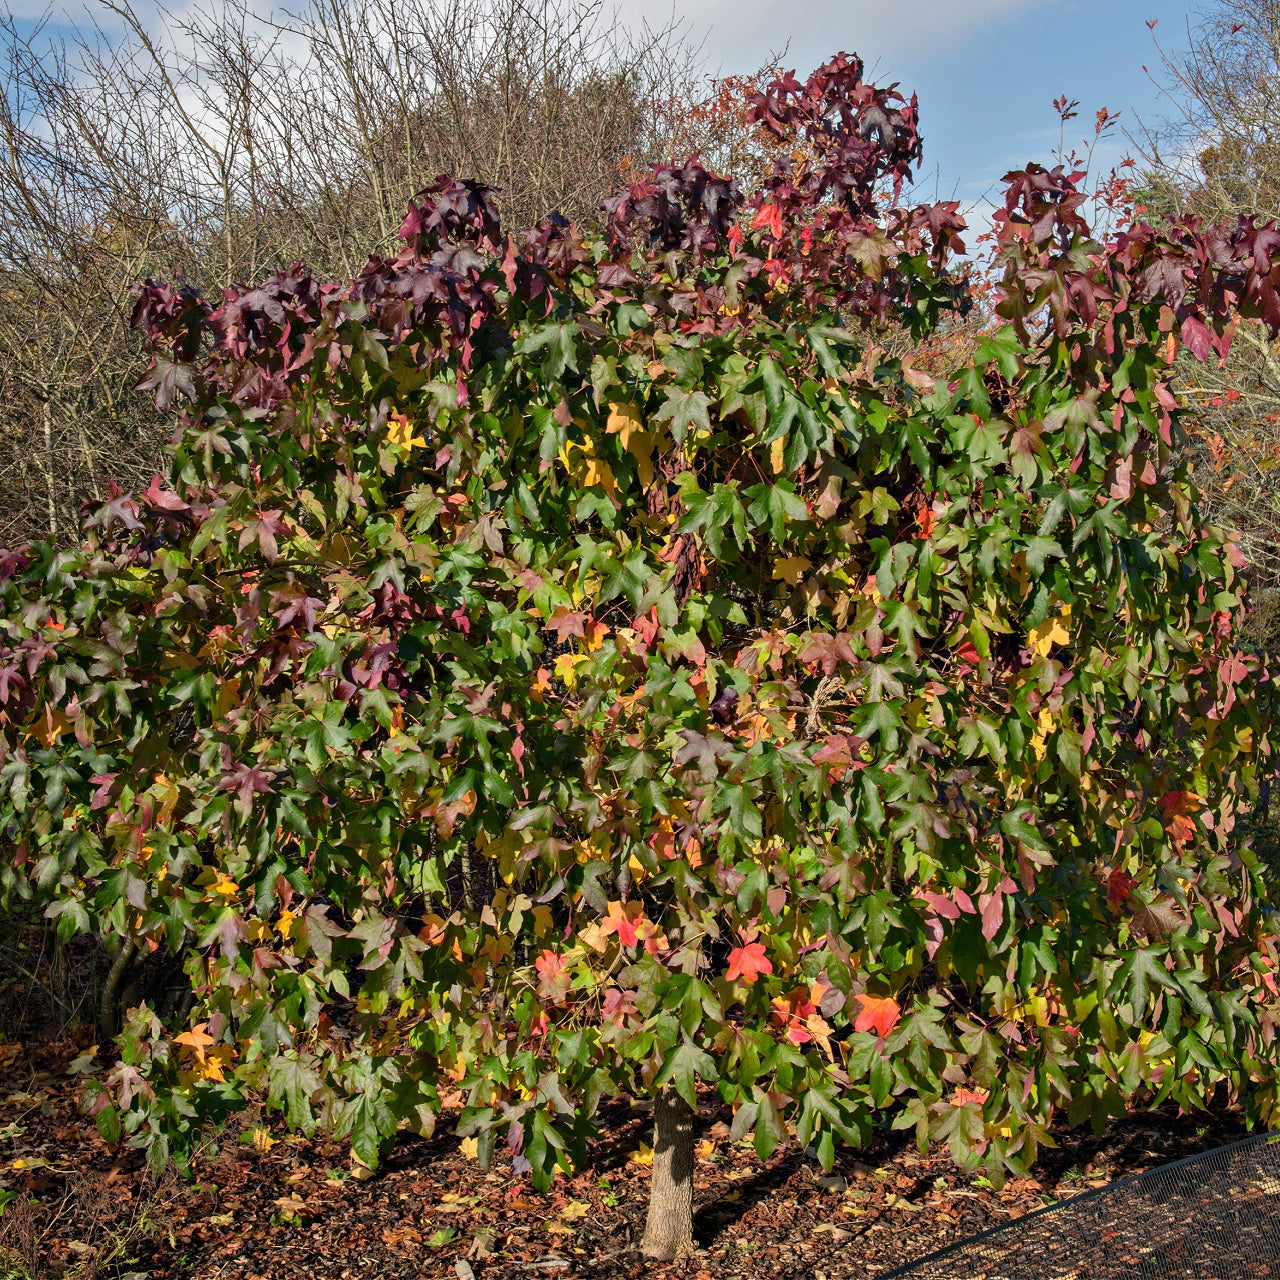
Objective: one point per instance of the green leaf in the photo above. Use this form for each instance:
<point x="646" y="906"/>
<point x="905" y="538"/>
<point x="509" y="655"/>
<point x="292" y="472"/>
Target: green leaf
<point x="682" y="409"/>
<point x="292" y="1082"/>
<point x="683" y="1067"/>
<point x="776" y="505"/>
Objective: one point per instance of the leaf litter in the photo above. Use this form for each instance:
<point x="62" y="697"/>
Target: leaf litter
<point x="291" y="1208"/>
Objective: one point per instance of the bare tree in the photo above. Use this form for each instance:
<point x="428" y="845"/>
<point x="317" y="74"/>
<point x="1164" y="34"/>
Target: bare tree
<point x="219" y="146"/>
<point x="1218" y="157"/>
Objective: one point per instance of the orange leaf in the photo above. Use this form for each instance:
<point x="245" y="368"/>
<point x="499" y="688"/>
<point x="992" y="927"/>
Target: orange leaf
<point x="198" y="1038"/>
<point x="748" y="962"/>
<point x="879" y="1014"/>
<point x="624" y="920"/>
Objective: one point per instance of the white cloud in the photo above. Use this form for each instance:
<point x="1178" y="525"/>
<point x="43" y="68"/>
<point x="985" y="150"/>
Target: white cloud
<point x="741" y="34"/>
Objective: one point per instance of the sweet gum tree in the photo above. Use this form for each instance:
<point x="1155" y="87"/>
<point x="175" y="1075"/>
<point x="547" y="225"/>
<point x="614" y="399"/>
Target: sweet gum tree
<point x="560" y="668"/>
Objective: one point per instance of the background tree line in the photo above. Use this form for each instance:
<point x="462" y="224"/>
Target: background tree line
<point x="1217" y="157"/>
<point x="220" y="146"/>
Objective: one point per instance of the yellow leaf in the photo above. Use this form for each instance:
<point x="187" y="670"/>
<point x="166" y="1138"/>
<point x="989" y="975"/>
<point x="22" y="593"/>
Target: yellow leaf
<point x="400" y="432"/>
<point x="626" y="423"/>
<point x="655" y="368"/>
<point x="284" y="926"/>
<point x="566" y="667"/>
<point x="599" y="473"/>
<point x="705" y="1149"/>
<point x="1044" y="727"/>
<point x="496" y="949"/>
<point x="1050" y="632"/>
<point x="49" y="726"/>
<point x="637" y="868"/>
<point x="560" y="1229"/>
<point x="225" y="886"/>
<point x="228" y="696"/>
<point x="574" y="1210"/>
<point x="592" y="936"/>
<point x="470" y="1147"/>
<point x="791" y="569"/>
<point x="777" y="459"/>
<point x="168" y="794"/>
<point x="215" y="1061"/>
<point x="643" y="1156"/>
<point x="543" y="920"/>
<point x="262" y="1140"/>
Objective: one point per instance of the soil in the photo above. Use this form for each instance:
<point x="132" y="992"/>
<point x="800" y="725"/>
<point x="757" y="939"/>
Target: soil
<point x="262" y="1203"/>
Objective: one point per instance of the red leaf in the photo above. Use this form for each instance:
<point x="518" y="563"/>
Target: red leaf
<point x="1119" y="886"/>
<point x="1197" y="337"/>
<point x="769" y="215"/>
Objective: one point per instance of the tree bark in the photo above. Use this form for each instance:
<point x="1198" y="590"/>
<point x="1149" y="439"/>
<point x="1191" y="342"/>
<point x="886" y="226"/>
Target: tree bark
<point x="109" y="1005"/>
<point x="669" y="1231"/>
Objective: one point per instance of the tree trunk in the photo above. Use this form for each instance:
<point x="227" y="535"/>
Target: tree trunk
<point x="669" y="1231"/>
<point x="109" y="1007"/>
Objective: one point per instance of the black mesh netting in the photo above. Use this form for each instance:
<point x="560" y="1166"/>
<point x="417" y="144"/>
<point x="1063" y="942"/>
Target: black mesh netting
<point x="1215" y="1216"/>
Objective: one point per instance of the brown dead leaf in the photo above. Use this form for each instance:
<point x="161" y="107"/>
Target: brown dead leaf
<point x="483" y="1244"/>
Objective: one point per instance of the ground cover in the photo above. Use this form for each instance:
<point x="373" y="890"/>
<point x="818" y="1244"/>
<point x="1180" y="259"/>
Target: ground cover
<point x="264" y="1204"/>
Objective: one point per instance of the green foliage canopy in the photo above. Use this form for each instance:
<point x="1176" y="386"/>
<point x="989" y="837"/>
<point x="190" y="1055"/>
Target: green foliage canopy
<point x="556" y="668"/>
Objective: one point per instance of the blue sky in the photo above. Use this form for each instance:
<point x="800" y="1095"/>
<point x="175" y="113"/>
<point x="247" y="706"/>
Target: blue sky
<point x="986" y="70"/>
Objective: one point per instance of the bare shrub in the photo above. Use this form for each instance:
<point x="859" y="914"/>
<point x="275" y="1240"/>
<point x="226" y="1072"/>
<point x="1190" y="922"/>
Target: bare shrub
<point x="219" y="146"/>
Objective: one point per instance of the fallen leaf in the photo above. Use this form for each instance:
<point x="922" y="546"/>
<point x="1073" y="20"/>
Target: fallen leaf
<point x="291" y="1206"/>
<point x="644" y="1156"/>
<point x="830" y="1228"/>
<point x="574" y="1210"/>
<point x="483" y="1244"/>
<point x="261" y="1139"/>
<point x="901" y="1202"/>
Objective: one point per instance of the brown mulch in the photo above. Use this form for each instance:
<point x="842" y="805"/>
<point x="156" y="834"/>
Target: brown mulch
<point x="293" y="1211"/>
